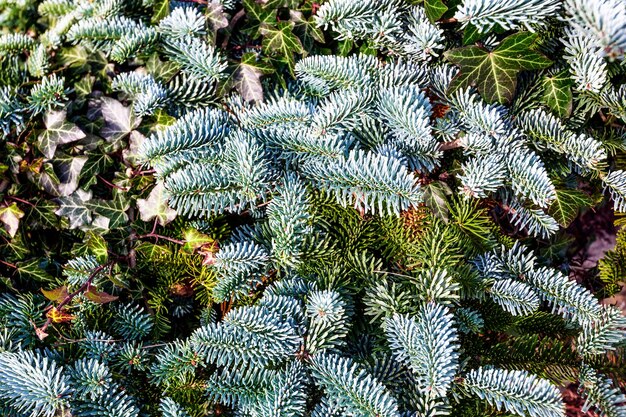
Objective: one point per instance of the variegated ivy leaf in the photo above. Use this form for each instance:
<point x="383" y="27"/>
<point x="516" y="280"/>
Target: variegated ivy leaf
<point x="494" y="73"/>
<point x="215" y="16"/>
<point x="58" y="132"/>
<point x="119" y="121"/>
<point x="155" y="206"/>
<point x="86" y="213"/>
<point x="247" y="77"/>
<point x="280" y="41"/>
<point x="63" y="180"/>
<point x="73" y="207"/>
<point x="306" y="29"/>
<point x="113" y="210"/>
<point x="69" y="174"/>
<point x="131" y="154"/>
<point x="10" y="215"/>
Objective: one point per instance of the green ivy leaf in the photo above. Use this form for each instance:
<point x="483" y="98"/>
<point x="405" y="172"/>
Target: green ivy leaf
<point x="113" y="210"/>
<point x="345" y="46"/>
<point x="280" y="41"/>
<point x="161" y="70"/>
<point x="58" y="132"/>
<point x="194" y="239"/>
<point x="557" y="93"/>
<point x="471" y="34"/>
<point x="30" y="270"/>
<point x="161" y="10"/>
<point x="567" y="205"/>
<point x="368" y="49"/>
<point x="435" y="198"/>
<point x="306" y="29"/>
<point x="434" y="9"/>
<point x="42" y="214"/>
<point x="258" y="14"/>
<point x="98" y="247"/>
<point x="494" y="73"/>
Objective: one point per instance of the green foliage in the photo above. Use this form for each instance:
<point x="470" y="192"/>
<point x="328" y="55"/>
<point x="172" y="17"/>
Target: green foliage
<point x="494" y="73"/>
<point x="298" y="208"/>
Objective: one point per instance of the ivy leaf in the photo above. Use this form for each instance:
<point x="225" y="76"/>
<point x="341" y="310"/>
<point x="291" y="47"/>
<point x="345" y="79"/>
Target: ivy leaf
<point x="73" y="207"/>
<point x="494" y="73"/>
<point x="215" y="16"/>
<point x="99" y="297"/>
<point x="345" y="46"/>
<point x="155" y="206"/>
<point x="69" y="173"/>
<point x="131" y="155"/>
<point x="161" y="10"/>
<point x="435" y="198"/>
<point x="10" y="216"/>
<point x="31" y="271"/>
<point x="194" y="239"/>
<point x="258" y="15"/>
<point x="56" y="294"/>
<point x="59" y="316"/>
<point x="247" y="77"/>
<point x="58" y="132"/>
<point x="119" y="121"/>
<point x="306" y="29"/>
<point x="152" y="250"/>
<point x="557" y="93"/>
<point x="161" y="70"/>
<point x="280" y="41"/>
<point x="42" y="214"/>
<point x="567" y="205"/>
<point x="247" y="82"/>
<point x="98" y="247"/>
<point x="113" y="210"/>
<point x="434" y="9"/>
<point x="471" y="34"/>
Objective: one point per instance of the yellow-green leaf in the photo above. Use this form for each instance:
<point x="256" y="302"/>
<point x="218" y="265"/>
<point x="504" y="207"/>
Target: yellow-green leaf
<point x="56" y="294"/>
<point x="567" y="205"/>
<point x="557" y="93"/>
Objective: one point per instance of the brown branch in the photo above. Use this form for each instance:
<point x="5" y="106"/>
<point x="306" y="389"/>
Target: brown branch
<point x="144" y="172"/>
<point x="233" y="22"/>
<point x="110" y="184"/>
<point x="85" y="287"/>
<point x="157" y="237"/>
<point x="20" y="200"/>
<point x="453" y="144"/>
<point x="450" y="20"/>
<point x="8" y="264"/>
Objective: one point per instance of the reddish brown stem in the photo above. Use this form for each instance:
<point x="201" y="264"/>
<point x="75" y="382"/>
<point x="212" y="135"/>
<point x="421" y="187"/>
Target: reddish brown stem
<point x="21" y="201"/>
<point x="70" y="297"/>
<point x="110" y="184"/>
<point x="157" y="237"/>
<point x="8" y="264"/>
<point x="446" y="146"/>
